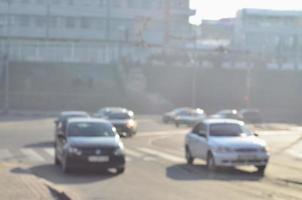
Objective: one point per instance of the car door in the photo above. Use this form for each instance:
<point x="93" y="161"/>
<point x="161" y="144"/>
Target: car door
<point x="60" y="142"/>
<point x="201" y="141"/>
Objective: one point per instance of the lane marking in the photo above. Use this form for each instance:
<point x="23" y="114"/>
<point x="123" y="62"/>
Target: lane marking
<point x="5" y="154"/>
<point x="133" y="153"/>
<point x="162" y="155"/>
<point x="50" y="151"/>
<point x="32" y="155"/>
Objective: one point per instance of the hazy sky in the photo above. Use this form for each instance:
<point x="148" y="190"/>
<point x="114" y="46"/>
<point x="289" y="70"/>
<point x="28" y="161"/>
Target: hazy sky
<point x="216" y="9"/>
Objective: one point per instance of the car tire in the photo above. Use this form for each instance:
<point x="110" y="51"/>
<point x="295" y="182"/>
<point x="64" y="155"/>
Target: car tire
<point x="120" y="170"/>
<point x="65" y="166"/>
<point x="189" y="157"/>
<point x="261" y="169"/>
<point x="211" y="162"/>
<point x="57" y="162"/>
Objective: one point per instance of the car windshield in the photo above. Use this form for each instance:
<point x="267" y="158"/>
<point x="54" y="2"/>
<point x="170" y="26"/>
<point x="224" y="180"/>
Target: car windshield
<point x="89" y="129"/>
<point x="121" y="116"/>
<point x="228" y="130"/>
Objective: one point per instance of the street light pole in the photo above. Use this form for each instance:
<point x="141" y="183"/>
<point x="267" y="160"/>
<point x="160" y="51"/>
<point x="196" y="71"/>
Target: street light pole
<point x="6" y="105"/>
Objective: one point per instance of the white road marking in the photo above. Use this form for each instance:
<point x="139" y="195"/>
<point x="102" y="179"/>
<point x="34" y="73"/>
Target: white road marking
<point x="132" y="153"/>
<point x="128" y="159"/>
<point x="50" y="151"/>
<point x="162" y="155"/>
<point x="295" y="153"/>
<point x="32" y="155"/>
<point x="5" y="154"/>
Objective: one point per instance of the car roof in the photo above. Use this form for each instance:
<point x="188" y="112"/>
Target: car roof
<point x="114" y="109"/>
<point x="65" y="113"/>
<point x="88" y="120"/>
<point x="222" y="121"/>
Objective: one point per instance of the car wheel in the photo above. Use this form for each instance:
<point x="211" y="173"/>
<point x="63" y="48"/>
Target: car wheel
<point x="120" y="170"/>
<point x="261" y="169"/>
<point x="65" y="166"/>
<point x="188" y="155"/>
<point x="57" y="162"/>
<point x="211" y="162"/>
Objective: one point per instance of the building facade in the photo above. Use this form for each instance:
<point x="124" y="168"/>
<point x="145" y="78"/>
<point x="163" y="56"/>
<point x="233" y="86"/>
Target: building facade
<point x="90" y="31"/>
<point x="275" y="35"/>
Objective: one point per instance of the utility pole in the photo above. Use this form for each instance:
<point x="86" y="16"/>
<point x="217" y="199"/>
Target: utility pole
<point x="6" y="105"/>
<point x="167" y="15"/>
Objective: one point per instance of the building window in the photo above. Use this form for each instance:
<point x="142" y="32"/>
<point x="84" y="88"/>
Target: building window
<point x="53" y="22"/>
<point x="84" y="23"/>
<point x="40" y="21"/>
<point x="24" y="20"/>
<point x="41" y="2"/>
<point x="100" y="24"/>
<point x="25" y="1"/>
<point x="70" y="22"/>
<point x="102" y="3"/>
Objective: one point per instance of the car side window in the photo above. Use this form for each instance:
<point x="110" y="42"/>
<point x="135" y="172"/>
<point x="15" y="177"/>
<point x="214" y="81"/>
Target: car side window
<point x="199" y="129"/>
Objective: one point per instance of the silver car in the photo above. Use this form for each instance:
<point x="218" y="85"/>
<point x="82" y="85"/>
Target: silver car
<point x="225" y="142"/>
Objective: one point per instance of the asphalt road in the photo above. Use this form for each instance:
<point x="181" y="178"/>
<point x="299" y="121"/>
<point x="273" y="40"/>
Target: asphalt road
<point x="156" y="167"/>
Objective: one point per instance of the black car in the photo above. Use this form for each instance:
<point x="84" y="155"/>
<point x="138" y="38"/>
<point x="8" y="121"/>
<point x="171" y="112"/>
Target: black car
<point x="89" y="142"/>
<point x="251" y="115"/>
<point x="122" y="119"/>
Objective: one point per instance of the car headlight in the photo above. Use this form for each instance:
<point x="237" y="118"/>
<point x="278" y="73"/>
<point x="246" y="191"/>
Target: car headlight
<point x="74" y="150"/>
<point x="119" y="151"/>
<point x="223" y="149"/>
<point x="131" y="124"/>
<point x="263" y="149"/>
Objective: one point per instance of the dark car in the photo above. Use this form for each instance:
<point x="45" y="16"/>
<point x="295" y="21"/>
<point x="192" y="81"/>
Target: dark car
<point x="61" y="121"/>
<point x="251" y="116"/>
<point x="122" y="119"/>
<point x="89" y="142"/>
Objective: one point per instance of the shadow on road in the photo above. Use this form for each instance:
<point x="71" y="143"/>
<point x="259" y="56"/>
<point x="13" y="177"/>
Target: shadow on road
<point x="55" y="175"/>
<point x="184" y="172"/>
<point x="45" y="144"/>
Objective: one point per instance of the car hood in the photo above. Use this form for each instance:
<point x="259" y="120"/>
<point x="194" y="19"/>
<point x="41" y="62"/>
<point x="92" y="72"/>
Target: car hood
<point x="93" y="141"/>
<point x="237" y="142"/>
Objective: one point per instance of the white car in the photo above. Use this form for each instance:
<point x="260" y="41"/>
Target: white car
<point x="189" y="117"/>
<point x="225" y="142"/>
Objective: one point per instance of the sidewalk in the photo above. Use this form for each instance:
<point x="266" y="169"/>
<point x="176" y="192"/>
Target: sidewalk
<point x="16" y="185"/>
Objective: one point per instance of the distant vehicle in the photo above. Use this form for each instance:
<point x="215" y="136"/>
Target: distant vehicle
<point x="60" y="122"/>
<point x="169" y="117"/>
<point x="227" y="114"/>
<point x="251" y="115"/>
<point x="122" y="119"/>
<point x="189" y="117"/>
<point x="225" y="142"/>
<point x="89" y="142"/>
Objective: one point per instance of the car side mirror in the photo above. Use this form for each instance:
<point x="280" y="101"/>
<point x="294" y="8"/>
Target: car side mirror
<point x="202" y="134"/>
<point x="61" y="135"/>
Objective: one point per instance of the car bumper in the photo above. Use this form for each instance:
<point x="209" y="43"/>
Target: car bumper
<point x="75" y="161"/>
<point x="124" y="129"/>
<point x="235" y="159"/>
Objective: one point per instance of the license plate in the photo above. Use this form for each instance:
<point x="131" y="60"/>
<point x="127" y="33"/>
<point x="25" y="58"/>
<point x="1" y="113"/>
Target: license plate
<point x="247" y="157"/>
<point x="98" y="158"/>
